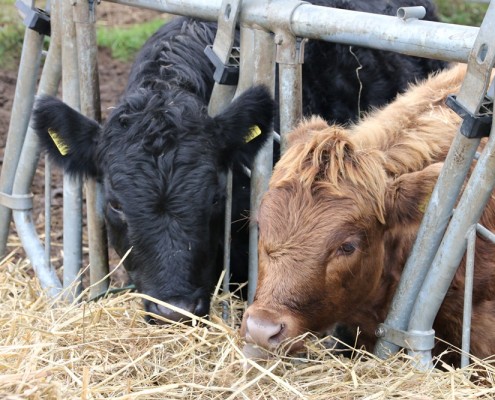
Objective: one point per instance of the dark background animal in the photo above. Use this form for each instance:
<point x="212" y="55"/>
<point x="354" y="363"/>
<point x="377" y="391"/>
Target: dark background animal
<point x="341" y="82"/>
<point x="163" y="161"/>
<point x="341" y="215"/>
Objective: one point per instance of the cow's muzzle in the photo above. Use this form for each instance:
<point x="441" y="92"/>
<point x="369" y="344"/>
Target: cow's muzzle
<point x="270" y="330"/>
<point x="181" y="310"/>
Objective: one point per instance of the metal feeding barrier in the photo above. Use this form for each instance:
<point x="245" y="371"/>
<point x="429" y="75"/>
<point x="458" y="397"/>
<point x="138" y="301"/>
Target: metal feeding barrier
<point x="273" y="30"/>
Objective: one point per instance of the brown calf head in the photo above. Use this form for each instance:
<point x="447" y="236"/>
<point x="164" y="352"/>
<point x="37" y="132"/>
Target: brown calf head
<point x="324" y="225"/>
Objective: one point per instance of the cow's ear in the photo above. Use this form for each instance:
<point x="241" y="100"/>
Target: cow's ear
<point x="245" y="125"/>
<point x="306" y="129"/>
<point x="67" y="136"/>
<point x="407" y="196"/>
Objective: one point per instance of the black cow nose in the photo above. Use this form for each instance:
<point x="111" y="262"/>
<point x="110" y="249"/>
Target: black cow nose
<point x="191" y="306"/>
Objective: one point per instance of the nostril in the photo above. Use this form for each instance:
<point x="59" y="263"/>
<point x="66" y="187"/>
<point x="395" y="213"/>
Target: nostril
<point x="173" y="315"/>
<point x="202" y="308"/>
<point x="265" y="333"/>
<point x="177" y="312"/>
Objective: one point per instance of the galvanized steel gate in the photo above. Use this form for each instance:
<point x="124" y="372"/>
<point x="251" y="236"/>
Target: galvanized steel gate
<point x="271" y="30"/>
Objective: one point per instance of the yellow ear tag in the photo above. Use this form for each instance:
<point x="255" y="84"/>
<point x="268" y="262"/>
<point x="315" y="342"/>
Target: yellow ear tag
<point x="61" y="146"/>
<point x="254" y="132"/>
<point x="422" y="207"/>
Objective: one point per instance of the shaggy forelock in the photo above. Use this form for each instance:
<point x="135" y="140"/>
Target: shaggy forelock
<point x="331" y="163"/>
<point x="155" y="123"/>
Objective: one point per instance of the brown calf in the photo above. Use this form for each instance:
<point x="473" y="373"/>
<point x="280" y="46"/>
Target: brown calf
<point x="340" y="217"/>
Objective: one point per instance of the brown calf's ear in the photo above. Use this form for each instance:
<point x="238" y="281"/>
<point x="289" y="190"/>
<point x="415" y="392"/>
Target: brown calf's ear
<point x="408" y="195"/>
<point x="305" y="130"/>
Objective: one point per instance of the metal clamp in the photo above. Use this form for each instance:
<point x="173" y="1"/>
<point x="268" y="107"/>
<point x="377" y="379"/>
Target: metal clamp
<point x="473" y="126"/>
<point x="18" y="202"/>
<point x="222" y="54"/>
<point x="34" y="18"/>
<point x="411" y="340"/>
<point x="225" y="73"/>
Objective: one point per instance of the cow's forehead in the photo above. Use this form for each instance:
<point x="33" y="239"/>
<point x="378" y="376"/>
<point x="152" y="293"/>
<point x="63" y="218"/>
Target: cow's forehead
<point x="150" y="116"/>
<point x="172" y="167"/>
<point x="292" y="211"/>
<point x="156" y="131"/>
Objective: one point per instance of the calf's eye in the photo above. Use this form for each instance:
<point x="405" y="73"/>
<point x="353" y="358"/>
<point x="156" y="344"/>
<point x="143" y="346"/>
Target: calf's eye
<point x="346" y="249"/>
<point x="115" y="207"/>
<point x="124" y="121"/>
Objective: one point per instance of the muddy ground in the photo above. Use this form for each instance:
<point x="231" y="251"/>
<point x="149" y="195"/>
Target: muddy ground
<point x="113" y="76"/>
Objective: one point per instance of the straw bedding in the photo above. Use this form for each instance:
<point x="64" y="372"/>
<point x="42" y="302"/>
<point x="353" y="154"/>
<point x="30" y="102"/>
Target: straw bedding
<point x="104" y="349"/>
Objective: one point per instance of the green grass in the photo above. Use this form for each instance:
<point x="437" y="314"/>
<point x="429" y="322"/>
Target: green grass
<point x="124" y="42"/>
<point x="462" y="12"/>
<point x="11" y="34"/>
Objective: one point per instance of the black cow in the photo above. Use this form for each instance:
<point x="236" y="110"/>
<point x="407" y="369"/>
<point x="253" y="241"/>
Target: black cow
<point x="340" y="82"/>
<point x="163" y="160"/>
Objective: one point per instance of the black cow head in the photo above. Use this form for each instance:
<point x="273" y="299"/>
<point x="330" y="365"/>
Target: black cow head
<point x="163" y="163"/>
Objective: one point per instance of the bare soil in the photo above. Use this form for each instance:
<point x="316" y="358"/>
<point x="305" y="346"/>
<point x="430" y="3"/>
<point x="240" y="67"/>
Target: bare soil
<point x="113" y="77"/>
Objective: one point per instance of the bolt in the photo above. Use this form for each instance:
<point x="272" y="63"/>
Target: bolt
<point x="279" y="39"/>
<point x="380" y="331"/>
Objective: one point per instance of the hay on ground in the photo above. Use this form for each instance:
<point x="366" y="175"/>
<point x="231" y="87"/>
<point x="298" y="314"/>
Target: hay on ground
<point x="104" y="349"/>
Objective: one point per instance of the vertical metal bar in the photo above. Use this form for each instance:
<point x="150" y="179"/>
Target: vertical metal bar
<point x="97" y="237"/>
<point x="48" y="212"/>
<point x="226" y="241"/>
<point x="21" y="111"/>
<point x="72" y="212"/>
<point x="468" y="296"/>
<point x="257" y="67"/>
<point x="26" y="169"/>
<point x="222" y="46"/>
<point x="84" y="16"/>
<point x="290" y="56"/>
<point x="221" y="96"/>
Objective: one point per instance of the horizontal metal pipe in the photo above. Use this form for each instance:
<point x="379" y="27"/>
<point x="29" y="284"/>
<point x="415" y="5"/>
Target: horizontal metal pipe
<point x="414" y="37"/>
<point x="437" y="40"/>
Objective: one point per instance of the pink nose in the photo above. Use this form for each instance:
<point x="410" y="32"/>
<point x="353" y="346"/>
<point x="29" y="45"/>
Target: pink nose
<point x="263" y="332"/>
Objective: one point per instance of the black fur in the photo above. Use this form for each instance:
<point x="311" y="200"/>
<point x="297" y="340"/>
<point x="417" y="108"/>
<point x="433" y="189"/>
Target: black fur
<point x="78" y="132"/>
<point x="163" y="160"/>
<point x="330" y="72"/>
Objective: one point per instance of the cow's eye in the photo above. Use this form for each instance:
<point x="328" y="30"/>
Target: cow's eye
<point x="123" y="121"/>
<point x="115" y="206"/>
<point x="216" y="200"/>
<point x="346" y="249"/>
